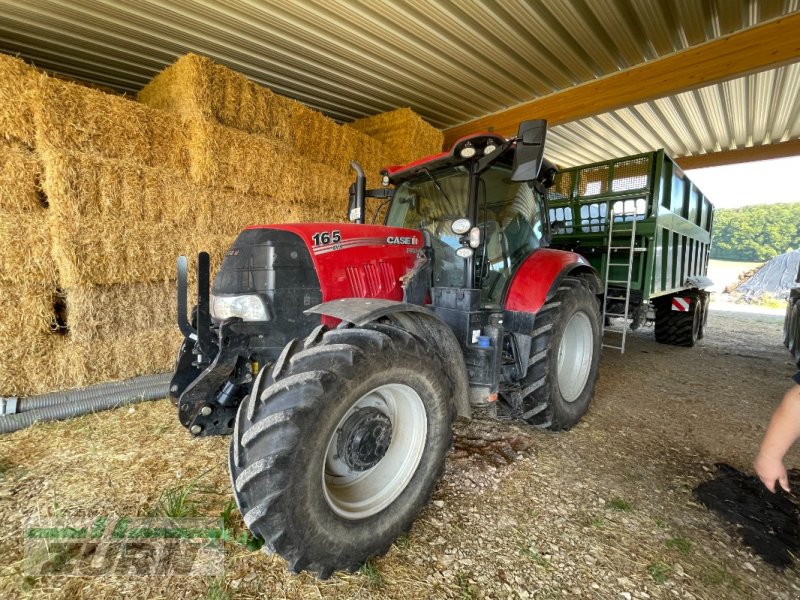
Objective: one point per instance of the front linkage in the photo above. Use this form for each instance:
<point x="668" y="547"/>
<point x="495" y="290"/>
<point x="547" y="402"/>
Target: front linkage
<point x="208" y="365"/>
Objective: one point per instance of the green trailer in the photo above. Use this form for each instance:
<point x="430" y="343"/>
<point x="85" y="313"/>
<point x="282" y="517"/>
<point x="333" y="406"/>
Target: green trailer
<point x="646" y="228"/>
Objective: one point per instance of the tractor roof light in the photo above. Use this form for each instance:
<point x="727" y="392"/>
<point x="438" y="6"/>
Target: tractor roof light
<point x="385" y="180"/>
<point x="475" y="237"/>
<point x="468" y="151"/>
<point x="464" y="252"/>
<point x="490" y="147"/>
<point x="461" y="226"/>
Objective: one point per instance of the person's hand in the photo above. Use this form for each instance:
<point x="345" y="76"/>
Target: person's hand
<point x="770" y="470"/>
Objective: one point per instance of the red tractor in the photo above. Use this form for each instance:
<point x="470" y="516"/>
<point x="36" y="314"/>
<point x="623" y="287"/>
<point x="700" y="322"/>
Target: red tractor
<point x="338" y="355"/>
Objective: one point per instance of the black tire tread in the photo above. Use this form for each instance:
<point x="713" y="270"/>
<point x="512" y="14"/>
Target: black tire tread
<point x="678" y="328"/>
<point x="535" y="387"/>
<point x="277" y="417"/>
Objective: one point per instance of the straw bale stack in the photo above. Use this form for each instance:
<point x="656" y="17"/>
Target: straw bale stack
<point x="118" y="357"/>
<point x="19" y="87"/>
<point x="405" y="135"/>
<point x="73" y="118"/>
<point x="256" y="164"/>
<point x="25" y="255"/>
<point x="99" y="194"/>
<point x="195" y="87"/>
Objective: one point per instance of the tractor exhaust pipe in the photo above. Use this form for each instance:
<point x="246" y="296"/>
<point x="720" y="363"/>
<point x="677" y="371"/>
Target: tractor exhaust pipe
<point x="355" y="208"/>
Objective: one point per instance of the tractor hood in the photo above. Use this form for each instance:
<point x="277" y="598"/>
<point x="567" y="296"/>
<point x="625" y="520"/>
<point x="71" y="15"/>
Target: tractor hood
<point x="319" y="262"/>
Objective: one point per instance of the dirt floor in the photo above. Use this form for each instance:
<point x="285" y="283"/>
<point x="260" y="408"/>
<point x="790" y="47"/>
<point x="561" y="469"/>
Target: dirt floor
<point x="603" y="511"/>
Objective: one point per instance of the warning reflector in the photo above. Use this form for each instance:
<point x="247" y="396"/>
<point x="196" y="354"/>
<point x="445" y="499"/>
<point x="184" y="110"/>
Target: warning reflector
<point x="681" y="304"/>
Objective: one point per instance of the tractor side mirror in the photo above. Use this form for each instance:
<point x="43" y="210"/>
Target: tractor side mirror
<point x="529" y="153"/>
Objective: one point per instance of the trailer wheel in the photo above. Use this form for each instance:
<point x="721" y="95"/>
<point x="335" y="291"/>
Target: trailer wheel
<point x="564" y="358"/>
<point x="704" y="300"/>
<point x="334" y="458"/>
<point x="678" y="328"/>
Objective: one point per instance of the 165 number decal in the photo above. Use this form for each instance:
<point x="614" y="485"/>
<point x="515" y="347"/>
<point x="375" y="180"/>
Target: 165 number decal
<point x="322" y="238"/>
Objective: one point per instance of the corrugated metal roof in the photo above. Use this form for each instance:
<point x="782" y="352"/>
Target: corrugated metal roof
<point x="763" y="108"/>
<point x="450" y="61"/>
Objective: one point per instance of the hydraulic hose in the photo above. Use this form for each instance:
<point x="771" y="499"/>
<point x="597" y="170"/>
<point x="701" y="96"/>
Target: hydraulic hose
<point x="86" y="400"/>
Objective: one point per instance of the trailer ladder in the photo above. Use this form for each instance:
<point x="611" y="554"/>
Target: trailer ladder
<point x="631" y="250"/>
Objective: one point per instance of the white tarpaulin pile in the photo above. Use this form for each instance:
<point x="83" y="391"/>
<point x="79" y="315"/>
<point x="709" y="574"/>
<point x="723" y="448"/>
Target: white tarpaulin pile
<point x="775" y="278"/>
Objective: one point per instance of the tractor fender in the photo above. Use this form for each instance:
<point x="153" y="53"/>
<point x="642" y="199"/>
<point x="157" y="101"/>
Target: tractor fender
<point x="537" y="280"/>
<point x="417" y="320"/>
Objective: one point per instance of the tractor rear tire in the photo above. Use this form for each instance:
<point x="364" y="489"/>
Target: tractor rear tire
<point x="678" y="328"/>
<point x="337" y="451"/>
<point x="564" y="358"/>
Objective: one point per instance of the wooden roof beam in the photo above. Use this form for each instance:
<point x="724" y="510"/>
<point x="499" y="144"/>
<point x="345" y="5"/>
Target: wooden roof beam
<point x="740" y="155"/>
<point x="757" y="48"/>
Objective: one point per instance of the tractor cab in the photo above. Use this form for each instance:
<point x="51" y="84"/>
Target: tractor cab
<point x="476" y="246"/>
<point x="478" y="215"/>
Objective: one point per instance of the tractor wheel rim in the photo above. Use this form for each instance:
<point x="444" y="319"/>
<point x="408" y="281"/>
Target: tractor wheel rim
<point x="354" y="494"/>
<point x="575" y="356"/>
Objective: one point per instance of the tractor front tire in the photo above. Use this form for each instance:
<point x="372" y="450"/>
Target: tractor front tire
<point x="335" y="454"/>
<point x="564" y="358"/>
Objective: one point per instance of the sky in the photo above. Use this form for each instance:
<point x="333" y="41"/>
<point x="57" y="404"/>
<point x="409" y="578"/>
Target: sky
<point x="761" y="182"/>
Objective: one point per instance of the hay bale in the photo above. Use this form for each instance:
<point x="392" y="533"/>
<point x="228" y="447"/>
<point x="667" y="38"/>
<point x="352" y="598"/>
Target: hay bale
<point x="20" y="191"/>
<point x="19" y="87"/>
<point x="195" y="87"/>
<point x="116" y="223"/>
<point x="25" y="249"/>
<point x="111" y="358"/>
<point x="404" y="133"/>
<point x="26" y="338"/>
<point x="74" y="118"/>
<point x="96" y="312"/>
<point x="25" y="255"/>
<point x="255" y="164"/>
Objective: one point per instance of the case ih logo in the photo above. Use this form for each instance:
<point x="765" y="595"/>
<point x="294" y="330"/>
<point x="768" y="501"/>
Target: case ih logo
<point x="408" y="241"/>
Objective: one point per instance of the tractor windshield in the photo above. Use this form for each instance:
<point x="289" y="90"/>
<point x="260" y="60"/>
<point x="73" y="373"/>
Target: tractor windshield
<point x="431" y="203"/>
<point x="510" y="215"/>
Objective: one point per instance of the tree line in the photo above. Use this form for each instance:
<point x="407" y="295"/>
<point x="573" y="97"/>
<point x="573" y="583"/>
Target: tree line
<point x="755" y="233"/>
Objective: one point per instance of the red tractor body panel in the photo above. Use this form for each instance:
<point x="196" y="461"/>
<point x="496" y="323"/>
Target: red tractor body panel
<point x="357" y="261"/>
<point x="534" y="278"/>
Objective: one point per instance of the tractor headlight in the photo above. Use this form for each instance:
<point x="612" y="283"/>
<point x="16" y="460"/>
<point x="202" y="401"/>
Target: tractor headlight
<point x="248" y="307"/>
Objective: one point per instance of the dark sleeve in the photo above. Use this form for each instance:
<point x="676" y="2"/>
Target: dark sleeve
<point x="797" y="377"/>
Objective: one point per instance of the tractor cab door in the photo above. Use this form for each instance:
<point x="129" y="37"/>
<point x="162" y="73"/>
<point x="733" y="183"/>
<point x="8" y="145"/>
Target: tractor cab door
<point x="511" y="216"/>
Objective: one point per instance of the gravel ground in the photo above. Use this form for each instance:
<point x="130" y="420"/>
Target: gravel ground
<point x="603" y="511"/>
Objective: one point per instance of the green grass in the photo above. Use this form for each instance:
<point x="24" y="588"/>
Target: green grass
<point x="403" y="542"/>
<point x="679" y="543"/>
<point x="718" y="576"/>
<point x="659" y="571"/>
<point x="767" y="301"/>
<point x="216" y="591"/>
<point x="465" y="590"/>
<point x="532" y="553"/>
<point x="177" y="502"/>
<point x="229" y="523"/>
<point x="598" y="522"/>
<point x="371" y="572"/>
<point x="620" y="505"/>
